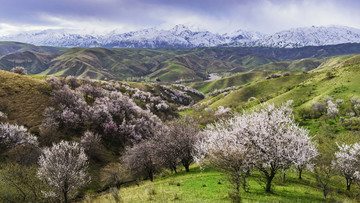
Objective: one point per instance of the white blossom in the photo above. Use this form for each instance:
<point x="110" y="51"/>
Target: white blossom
<point x="3" y="115"/>
<point x="64" y="168"/>
<point x="266" y="140"/>
<point x="190" y="89"/>
<point x="13" y="135"/>
<point x="347" y="162"/>
<point x="332" y="110"/>
<point x="222" y="111"/>
<point x="217" y="92"/>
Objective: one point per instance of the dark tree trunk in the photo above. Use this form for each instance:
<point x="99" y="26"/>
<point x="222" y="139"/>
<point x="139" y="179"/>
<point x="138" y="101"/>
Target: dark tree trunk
<point x="348" y="183"/>
<point x="65" y="192"/>
<point x="151" y="175"/>
<point x="244" y="183"/>
<point x="65" y="196"/>
<point x="269" y="179"/>
<point x="300" y="172"/>
<point x="187" y="168"/>
<point x="284" y="176"/>
<point x="237" y="187"/>
<point x="186" y="163"/>
<point x="325" y="192"/>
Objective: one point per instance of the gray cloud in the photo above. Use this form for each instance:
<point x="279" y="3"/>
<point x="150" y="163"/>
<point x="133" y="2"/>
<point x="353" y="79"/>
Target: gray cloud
<point x="214" y="15"/>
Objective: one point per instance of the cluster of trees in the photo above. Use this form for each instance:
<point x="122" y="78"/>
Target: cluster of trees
<point x="153" y="102"/>
<point x="328" y="106"/>
<point x="176" y="96"/>
<point x="89" y="106"/>
<point x="34" y="173"/>
<point x="277" y="75"/>
<point x="266" y="140"/>
<point x="348" y="112"/>
<point x="171" y="145"/>
<point x="228" y="89"/>
<point x="191" y="90"/>
<point x="105" y="113"/>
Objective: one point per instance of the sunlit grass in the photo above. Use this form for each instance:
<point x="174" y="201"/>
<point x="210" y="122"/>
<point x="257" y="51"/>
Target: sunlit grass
<point x="211" y="186"/>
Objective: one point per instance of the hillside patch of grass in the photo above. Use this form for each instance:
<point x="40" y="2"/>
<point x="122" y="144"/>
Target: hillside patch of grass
<point x="235" y="80"/>
<point x="262" y="91"/>
<point x="209" y="185"/>
<point x="23" y="99"/>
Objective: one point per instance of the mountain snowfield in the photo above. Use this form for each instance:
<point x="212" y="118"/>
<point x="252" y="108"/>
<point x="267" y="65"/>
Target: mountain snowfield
<point x="183" y="37"/>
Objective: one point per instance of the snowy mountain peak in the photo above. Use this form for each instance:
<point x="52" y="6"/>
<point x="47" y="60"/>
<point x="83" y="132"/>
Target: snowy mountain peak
<point x="183" y="36"/>
<point x="311" y="36"/>
<point x="178" y="29"/>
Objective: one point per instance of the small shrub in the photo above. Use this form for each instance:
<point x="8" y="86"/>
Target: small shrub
<point x="330" y="75"/>
<point x="273" y="76"/>
<point x="286" y="74"/>
<point x="19" y="70"/>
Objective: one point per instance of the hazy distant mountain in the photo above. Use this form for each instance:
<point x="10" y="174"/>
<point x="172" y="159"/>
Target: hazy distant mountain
<point x="313" y="36"/>
<point x="183" y="37"/>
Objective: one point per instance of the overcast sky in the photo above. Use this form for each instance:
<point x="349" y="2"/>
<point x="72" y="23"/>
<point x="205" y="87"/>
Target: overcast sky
<point x="218" y="16"/>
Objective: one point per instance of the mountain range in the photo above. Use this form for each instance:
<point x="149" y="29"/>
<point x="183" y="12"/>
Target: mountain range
<point x="183" y="37"/>
<point x="168" y="65"/>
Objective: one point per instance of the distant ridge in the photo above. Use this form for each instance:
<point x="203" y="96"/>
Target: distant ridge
<point x="168" y="65"/>
<point x="183" y="37"/>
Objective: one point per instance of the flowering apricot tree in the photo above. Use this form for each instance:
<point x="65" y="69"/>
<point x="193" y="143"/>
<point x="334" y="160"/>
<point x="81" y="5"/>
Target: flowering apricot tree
<point x="266" y="140"/>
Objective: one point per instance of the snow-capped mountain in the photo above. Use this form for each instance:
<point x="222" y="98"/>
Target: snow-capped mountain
<point x="59" y="38"/>
<point x="312" y="36"/>
<point x="184" y="37"/>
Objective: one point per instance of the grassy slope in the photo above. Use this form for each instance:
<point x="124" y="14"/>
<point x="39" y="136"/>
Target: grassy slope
<point x="33" y="62"/>
<point x="336" y="62"/>
<point x="303" y="88"/>
<point x="17" y="47"/>
<point x="203" y="186"/>
<point x="174" y="72"/>
<point x="344" y="85"/>
<point x="251" y="60"/>
<point x="301" y="65"/>
<point x="260" y="90"/>
<point x="23" y="99"/>
<point x="235" y="80"/>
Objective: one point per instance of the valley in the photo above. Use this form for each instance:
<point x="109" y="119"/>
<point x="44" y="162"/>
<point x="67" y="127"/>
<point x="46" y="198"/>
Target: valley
<point x="108" y="100"/>
<point x="168" y="66"/>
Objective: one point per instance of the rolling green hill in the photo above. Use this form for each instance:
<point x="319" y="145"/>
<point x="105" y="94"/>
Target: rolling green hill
<point x="23" y="99"/>
<point x="33" y="62"/>
<point x="340" y="81"/>
<point x="235" y="80"/>
<point x="168" y="65"/>
<point x="301" y="65"/>
<point x="17" y="47"/>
